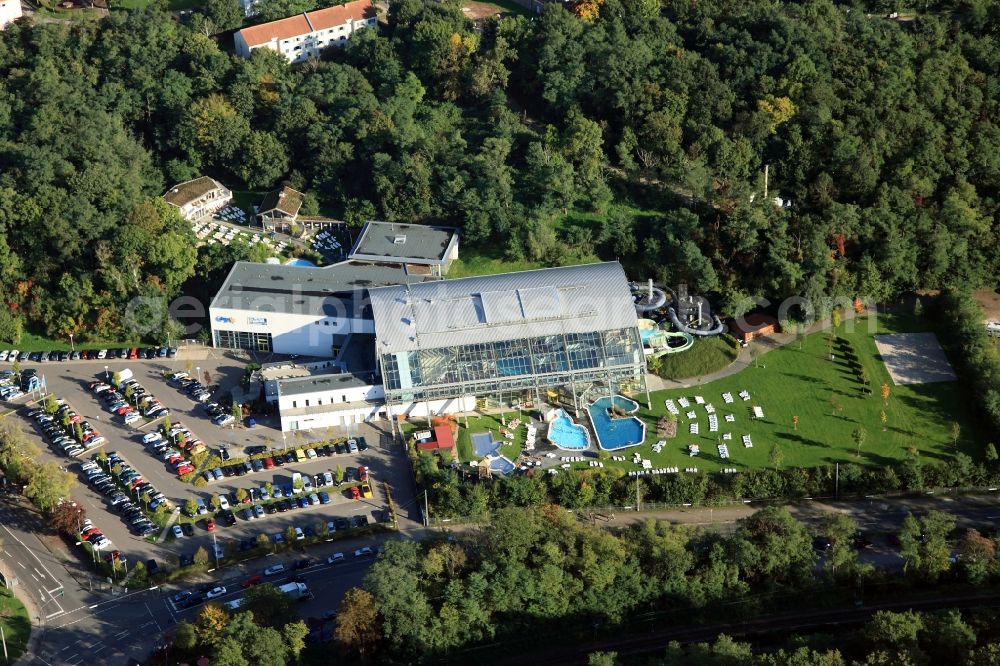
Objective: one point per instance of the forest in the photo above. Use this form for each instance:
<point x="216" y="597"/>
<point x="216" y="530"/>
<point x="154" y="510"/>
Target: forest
<point x="640" y="130"/>
<point x="535" y="579"/>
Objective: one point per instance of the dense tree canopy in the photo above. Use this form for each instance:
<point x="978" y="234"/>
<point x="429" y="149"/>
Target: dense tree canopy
<point x="879" y="135"/>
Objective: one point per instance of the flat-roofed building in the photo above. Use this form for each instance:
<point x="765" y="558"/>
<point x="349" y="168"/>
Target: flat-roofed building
<point x="412" y="244"/>
<point x="10" y="11"/>
<point x="199" y="197"/>
<point x="304" y="36"/>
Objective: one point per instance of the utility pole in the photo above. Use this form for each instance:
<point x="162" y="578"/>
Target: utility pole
<point x="766" y="174"/>
<point x="427" y="518"/>
<point x="836" y="483"/>
<point x="637" y="500"/>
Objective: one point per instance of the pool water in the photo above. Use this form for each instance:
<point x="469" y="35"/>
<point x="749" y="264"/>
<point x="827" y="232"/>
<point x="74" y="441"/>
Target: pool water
<point x="616" y="433"/>
<point x="566" y="434"/>
<point x="300" y="262"/>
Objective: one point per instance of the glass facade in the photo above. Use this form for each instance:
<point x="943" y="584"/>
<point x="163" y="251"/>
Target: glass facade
<point x="569" y="364"/>
<point x="260" y="342"/>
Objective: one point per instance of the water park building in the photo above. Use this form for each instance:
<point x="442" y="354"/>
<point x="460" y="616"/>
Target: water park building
<point x="401" y="342"/>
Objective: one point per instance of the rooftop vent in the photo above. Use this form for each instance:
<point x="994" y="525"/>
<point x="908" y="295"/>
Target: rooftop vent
<point x="399" y="239"/>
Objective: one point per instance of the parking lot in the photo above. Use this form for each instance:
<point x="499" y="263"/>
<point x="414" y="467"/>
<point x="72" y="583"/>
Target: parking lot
<point x="69" y="381"/>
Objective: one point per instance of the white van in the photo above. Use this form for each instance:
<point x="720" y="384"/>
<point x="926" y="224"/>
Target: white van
<point x="124" y="376"/>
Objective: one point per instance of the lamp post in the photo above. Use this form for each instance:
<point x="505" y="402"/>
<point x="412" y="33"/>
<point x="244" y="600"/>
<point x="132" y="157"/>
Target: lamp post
<point x="252" y="500"/>
<point x="197" y="373"/>
<point x="106" y="375"/>
<point x="71" y="347"/>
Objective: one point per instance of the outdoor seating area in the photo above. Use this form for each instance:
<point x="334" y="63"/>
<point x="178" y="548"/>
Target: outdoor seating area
<point x="327" y="243"/>
<point x="209" y="232"/>
<point x="529" y="441"/>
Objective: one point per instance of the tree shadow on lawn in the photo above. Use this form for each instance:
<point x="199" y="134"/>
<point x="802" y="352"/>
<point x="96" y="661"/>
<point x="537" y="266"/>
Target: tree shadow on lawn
<point x="799" y="439"/>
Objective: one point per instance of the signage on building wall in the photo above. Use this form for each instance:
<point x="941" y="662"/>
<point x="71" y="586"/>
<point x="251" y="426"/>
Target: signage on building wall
<point x="423" y="434"/>
<point x="225" y="320"/>
<point x="257" y="321"/>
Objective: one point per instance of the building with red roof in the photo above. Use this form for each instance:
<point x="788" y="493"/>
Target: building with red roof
<point x="303" y="36"/>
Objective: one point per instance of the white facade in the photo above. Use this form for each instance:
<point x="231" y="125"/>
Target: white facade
<point x="304" y="45"/>
<point x="202" y="201"/>
<point x="306" y="333"/>
<point x="10" y="10"/>
<point x="329" y="407"/>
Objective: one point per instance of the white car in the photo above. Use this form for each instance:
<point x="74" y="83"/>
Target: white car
<point x="151" y="437"/>
<point x="13" y="355"/>
<point x="102" y="354"/>
<point x="4" y="353"/>
<point x="131" y="417"/>
<point x="364" y="551"/>
<point x="274" y="569"/>
<point x="178" y="532"/>
<point x="299" y="535"/>
<point x="310" y="453"/>
<point x="215" y="592"/>
<point x="336" y="557"/>
<point x="223" y="503"/>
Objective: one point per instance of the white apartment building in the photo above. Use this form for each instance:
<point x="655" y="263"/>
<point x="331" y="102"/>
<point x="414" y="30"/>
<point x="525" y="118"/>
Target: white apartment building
<point x="198" y="198"/>
<point x="10" y="11"/>
<point x="301" y="37"/>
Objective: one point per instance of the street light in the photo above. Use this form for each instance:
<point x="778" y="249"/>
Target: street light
<point x="71" y="347"/>
<point x="106" y="375"/>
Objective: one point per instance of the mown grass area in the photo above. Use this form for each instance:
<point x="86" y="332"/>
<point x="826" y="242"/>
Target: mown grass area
<point x="511" y="448"/>
<point x="506" y="7"/>
<point x="708" y="355"/>
<point x="830" y="404"/>
<point x="31" y="342"/>
<point x="16" y="625"/>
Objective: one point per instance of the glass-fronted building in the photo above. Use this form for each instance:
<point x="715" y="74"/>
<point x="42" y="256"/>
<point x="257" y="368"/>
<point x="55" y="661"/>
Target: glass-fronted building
<point x="560" y="335"/>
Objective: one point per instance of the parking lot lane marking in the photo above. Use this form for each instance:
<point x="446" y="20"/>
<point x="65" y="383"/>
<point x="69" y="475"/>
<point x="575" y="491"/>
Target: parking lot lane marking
<point x="21" y="564"/>
<point x="40" y="574"/>
<point x="64" y="649"/>
<point x="35" y="577"/>
<point x="122" y="634"/>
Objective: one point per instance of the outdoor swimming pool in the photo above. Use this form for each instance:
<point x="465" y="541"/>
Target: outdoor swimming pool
<point x="300" y="262"/>
<point x="616" y="433"/>
<point x="566" y="434"/>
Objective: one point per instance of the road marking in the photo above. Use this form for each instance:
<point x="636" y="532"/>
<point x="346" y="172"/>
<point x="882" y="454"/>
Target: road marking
<point x="64" y="649"/>
<point x="34" y="576"/>
<point x="121" y="634"/>
<point x="38" y="572"/>
<point x="20" y="563"/>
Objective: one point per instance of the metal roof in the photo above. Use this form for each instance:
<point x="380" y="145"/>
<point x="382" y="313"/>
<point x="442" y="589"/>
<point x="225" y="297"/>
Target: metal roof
<point x="414" y="243"/>
<point x="333" y="291"/>
<point x="324" y="382"/>
<point x="510" y="306"/>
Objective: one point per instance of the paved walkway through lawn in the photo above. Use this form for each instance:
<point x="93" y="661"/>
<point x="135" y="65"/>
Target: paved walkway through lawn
<point x="743" y="359"/>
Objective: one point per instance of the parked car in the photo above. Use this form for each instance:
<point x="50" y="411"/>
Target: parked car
<point x="274" y="569"/>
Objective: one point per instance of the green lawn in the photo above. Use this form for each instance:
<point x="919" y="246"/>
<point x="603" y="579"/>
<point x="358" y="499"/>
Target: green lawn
<point x="802" y="382"/>
<point x="16" y="625"/>
<point x="510" y="448"/>
<point x="708" y="355"/>
<point x="506" y="7"/>
<point x="30" y="342"/>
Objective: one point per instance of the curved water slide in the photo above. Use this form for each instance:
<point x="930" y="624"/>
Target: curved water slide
<point x="687" y="338"/>
<point x="717" y="328"/>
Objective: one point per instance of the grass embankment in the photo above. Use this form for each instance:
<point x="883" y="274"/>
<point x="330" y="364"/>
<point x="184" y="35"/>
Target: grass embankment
<point x="16" y="625"/>
<point x="708" y="355"/>
<point x="830" y="404"/>
<point x="30" y="342"/>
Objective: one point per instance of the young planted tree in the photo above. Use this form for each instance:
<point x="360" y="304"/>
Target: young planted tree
<point x="884" y="418"/>
<point x="776" y="456"/>
<point x="200" y="555"/>
<point x="859" y="436"/>
<point x="241" y="494"/>
<point x="956" y="432"/>
<point x="885" y="394"/>
<point x="190" y="506"/>
<point x="795" y="423"/>
<point x="836" y="318"/>
<point x="215" y="502"/>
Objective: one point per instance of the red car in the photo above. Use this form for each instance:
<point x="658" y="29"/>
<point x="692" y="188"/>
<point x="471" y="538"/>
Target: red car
<point x="355" y="493"/>
<point x="113" y="555"/>
<point x="89" y="532"/>
<point x="251" y="581"/>
<point x="134" y="353"/>
<point x="184" y="469"/>
<point x="268" y="463"/>
<point x="121" y="410"/>
<point x="362" y="473"/>
<point x="210" y="525"/>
